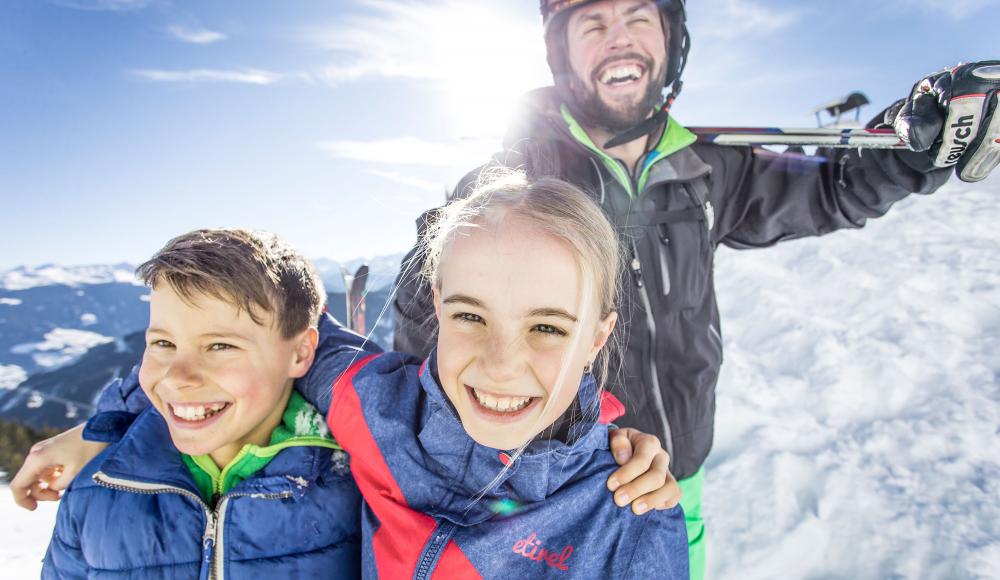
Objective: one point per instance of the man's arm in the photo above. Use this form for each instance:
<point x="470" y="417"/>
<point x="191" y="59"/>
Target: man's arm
<point x="949" y="120"/>
<point x="763" y="197"/>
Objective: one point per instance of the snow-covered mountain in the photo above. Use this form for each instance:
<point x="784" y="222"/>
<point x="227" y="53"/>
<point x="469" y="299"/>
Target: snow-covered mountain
<point x="51" y="316"/>
<point x="26" y="277"/>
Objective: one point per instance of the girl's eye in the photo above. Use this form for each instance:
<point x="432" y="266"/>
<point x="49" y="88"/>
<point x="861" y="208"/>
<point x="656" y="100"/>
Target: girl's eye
<point x="549" y="329"/>
<point x="221" y="346"/>
<point x="469" y="317"/>
<point x="162" y="343"/>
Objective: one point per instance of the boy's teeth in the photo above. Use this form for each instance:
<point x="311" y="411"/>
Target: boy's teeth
<point x="501" y="404"/>
<point x="619" y="74"/>
<point x="197" y="412"/>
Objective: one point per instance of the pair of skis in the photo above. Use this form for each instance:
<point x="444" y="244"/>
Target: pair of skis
<point x="820" y="137"/>
<point x="354" y="291"/>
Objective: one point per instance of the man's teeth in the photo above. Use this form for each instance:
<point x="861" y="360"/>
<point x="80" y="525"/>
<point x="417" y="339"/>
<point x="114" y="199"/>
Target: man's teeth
<point x="501" y="404"/>
<point x="621" y="74"/>
<point x="197" y="412"/>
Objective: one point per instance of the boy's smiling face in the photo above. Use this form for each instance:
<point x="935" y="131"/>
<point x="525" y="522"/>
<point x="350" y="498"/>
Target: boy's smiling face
<point x="218" y="378"/>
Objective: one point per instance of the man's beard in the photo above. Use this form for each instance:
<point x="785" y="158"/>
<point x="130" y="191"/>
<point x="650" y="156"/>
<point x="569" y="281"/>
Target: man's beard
<point x="586" y="104"/>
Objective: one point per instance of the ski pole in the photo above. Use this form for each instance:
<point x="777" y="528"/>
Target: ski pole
<point x="824" y="137"/>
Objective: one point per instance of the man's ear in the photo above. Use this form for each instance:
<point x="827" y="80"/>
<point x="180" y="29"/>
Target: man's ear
<point x="604" y="329"/>
<point x="304" y="352"/>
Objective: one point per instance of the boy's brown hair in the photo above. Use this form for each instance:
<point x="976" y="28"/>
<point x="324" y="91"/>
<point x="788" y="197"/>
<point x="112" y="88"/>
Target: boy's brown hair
<point x="255" y="271"/>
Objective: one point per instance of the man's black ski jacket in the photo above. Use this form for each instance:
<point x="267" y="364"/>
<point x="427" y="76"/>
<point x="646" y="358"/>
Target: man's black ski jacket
<point x="672" y="212"/>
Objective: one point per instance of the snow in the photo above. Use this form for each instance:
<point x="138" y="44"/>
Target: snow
<point x="88" y="319"/>
<point x="10" y="301"/>
<point x="61" y="346"/>
<point x="47" y="275"/>
<point x="11" y="376"/>
<point x="859" y="404"/>
<point x="25" y="536"/>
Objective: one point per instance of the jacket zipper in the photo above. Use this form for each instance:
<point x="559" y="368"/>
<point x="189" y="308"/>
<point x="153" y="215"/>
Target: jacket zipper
<point x="432" y="551"/>
<point x="212" y="538"/>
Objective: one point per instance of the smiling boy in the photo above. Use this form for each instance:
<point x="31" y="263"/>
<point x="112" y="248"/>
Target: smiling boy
<point x="230" y="472"/>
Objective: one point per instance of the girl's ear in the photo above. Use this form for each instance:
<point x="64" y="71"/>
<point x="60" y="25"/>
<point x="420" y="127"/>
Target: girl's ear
<point x="304" y="352"/>
<point x="437" y="303"/>
<point x="604" y="329"/>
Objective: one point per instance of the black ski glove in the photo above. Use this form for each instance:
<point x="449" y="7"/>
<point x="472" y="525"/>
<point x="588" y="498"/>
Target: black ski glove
<point x="952" y="115"/>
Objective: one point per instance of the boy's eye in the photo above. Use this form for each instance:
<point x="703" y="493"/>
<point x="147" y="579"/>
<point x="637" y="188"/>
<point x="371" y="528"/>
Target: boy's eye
<point x="162" y="343"/>
<point x="549" y="329"/>
<point x="220" y="346"/>
<point x="469" y="317"/>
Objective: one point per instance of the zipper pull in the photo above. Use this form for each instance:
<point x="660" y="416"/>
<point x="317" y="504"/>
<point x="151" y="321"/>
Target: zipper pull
<point x="636" y="267"/>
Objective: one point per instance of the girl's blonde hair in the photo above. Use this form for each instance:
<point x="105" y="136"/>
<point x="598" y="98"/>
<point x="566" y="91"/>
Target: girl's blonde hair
<point x="558" y="209"/>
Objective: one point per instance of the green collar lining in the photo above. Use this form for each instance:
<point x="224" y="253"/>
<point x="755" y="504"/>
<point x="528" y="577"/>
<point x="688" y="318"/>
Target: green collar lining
<point x="675" y="138"/>
<point x="301" y="425"/>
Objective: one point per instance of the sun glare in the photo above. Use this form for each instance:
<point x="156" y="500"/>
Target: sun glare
<point x="490" y="58"/>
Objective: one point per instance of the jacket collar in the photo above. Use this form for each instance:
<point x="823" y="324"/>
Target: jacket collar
<point x="147" y="455"/>
<point x="478" y="487"/>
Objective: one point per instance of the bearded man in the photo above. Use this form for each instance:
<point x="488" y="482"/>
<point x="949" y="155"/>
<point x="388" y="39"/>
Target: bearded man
<point x="605" y="126"/>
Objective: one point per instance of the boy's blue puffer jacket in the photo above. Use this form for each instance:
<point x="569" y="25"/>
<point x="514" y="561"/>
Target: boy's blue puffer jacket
<point x="134" y="512"/>
<point x="440" y="505"/>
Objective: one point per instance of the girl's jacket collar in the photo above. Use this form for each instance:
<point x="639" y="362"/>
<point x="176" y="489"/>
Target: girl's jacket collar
<point x="478" y="485"/>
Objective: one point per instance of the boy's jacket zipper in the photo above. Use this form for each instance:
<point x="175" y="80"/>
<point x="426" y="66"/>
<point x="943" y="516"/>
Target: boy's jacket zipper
<point x="212" y="538"/>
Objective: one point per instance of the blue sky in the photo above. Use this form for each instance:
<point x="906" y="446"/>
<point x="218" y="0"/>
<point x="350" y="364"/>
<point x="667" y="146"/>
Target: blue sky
<point x="335" y="123"/>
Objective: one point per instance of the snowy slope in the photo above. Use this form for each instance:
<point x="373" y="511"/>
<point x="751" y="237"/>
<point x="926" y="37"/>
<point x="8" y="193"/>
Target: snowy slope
<point x="24" y="537"/>
<point x="858" y="431"/>
<point x="859" y="404"/>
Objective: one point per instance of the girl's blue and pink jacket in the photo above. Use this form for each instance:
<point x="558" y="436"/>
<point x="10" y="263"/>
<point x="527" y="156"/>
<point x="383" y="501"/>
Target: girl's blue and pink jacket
<point x="432" y="508"/>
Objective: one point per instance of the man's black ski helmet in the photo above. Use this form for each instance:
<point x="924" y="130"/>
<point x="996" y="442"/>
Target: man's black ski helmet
<point x="555" y="14"/>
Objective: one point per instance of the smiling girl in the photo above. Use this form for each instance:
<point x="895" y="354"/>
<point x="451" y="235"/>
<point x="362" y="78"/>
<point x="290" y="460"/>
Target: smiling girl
<point x="487" y="459"/>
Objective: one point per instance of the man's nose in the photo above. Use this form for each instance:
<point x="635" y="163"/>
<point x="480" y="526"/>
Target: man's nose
<point x="619" y="36"/>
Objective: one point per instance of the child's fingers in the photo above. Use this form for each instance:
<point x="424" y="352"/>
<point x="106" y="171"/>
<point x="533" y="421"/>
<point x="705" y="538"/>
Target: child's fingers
<point x="644" y="450"/>
<point x="621" y="446"/>
<point x="655" y="489"/>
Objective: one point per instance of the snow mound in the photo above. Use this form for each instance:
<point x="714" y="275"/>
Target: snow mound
<point x="61" y="346"/>
<point x="859" y="404"/>
<point x="10" y="301"/>
<point x="11" y="376"/>
<point x="25" y="536"/>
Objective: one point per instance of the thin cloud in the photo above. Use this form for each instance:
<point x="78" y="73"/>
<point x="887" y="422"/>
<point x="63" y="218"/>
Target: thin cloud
<point x="408" y="180"/>
<point x="406" y="151"/>
<point x="732" y="19"/>
<point x="955" y="9"/>
<point x="243" y="76"/>
<point x="104" y="5"/>
<point x="195" y="35"/>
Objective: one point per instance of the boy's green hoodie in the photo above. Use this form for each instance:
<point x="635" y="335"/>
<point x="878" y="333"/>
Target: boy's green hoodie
<point x="301" y="425"/>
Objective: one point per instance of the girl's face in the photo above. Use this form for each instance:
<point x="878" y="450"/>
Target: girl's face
<point x="516" y="330"/>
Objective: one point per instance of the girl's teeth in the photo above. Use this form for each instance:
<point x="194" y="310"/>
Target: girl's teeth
<point x="501" y="404"/>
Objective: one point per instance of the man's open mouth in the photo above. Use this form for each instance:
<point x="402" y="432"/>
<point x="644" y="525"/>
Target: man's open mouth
<point x="617" y="75"/>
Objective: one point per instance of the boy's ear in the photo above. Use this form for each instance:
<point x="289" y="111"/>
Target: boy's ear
<point x="304" y="352"/>
<point x="604" y="329"/>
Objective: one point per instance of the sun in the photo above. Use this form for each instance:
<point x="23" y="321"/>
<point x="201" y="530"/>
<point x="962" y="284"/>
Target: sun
<point x="489" y="57"/>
